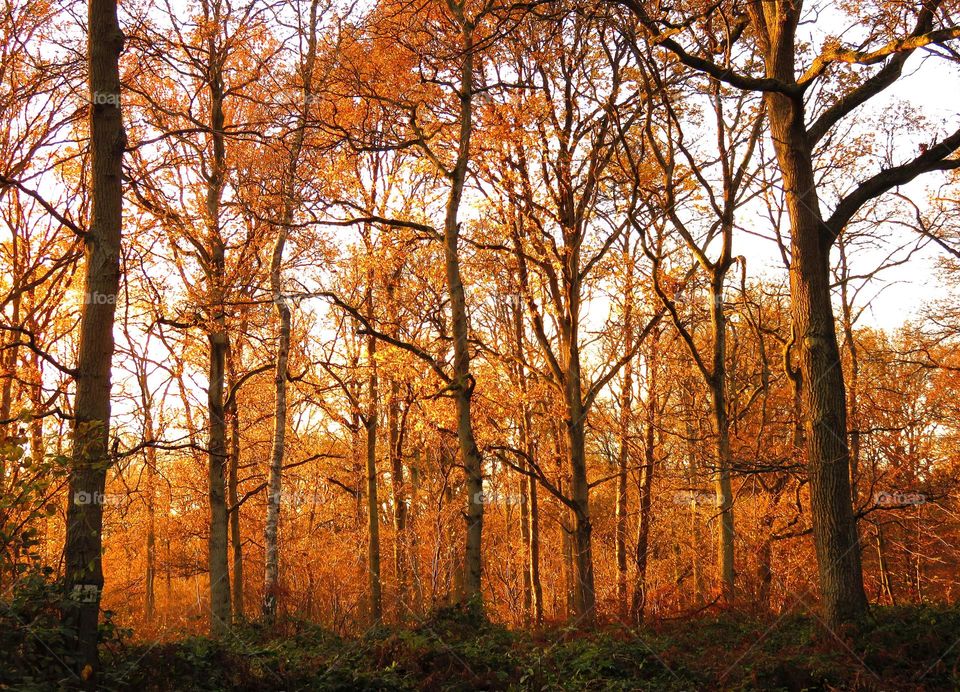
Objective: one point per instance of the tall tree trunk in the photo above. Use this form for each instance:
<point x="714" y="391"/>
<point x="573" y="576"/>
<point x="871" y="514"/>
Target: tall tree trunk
<point x="463" y="381"/>
<point x="644" y="517"/>
<point x="835" y="535"/>
<point x="623" y="455"/>
<point x="529" y="511"/>
<point x="288" y="208"/>
<point x="533" y="564"/>
<point x="8" y="366"/>
<point x="233" y="489"/>
<point x="413" y="516"/>
<point x="150" y="459"/>
<point x="400" y="548"/>
<point x="91" y="429"/>
<point x="824" y="396"/>
<point x="723" y="458"/>
<point x="219" y="344"/>
<point x="375" y="584"/>
<point x="526" y="584"/>
<point x="585" y="601"/>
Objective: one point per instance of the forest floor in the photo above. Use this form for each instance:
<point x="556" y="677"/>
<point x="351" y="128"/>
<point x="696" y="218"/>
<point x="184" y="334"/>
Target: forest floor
<point x="910" y="648"/>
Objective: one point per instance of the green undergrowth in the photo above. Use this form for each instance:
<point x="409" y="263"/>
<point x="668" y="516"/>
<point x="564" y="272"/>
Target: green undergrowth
<point x="457" y="648"/>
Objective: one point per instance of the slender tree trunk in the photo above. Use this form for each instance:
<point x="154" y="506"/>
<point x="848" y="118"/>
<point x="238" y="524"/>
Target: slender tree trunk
<point x="723" y="458"/>
<point x="413" y="520"/>
<point x="534" y="556"/>
<point x="233" y="490"/>
<point x="150" y="459"/>
<point x="529" y="511"/>
<point x="526" y="584"/>
<point x="399" y="499"/>
<point x="90" y="456"/>
<point x="8" y="357"/>
<point x="463" y="381"/>
<point x="275" y="490"/>
<point x="644" y="516"/>
<point x="373" y="501"/>
<point x="623" y="455"/>
<point x="585" y="601"/>
<point x="284" y="317"/>
<point x="219" y="344"/>
<point x="886" y="585"/>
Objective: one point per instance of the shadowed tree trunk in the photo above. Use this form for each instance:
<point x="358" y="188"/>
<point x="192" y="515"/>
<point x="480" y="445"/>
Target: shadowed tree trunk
<point x="90" y="456"/>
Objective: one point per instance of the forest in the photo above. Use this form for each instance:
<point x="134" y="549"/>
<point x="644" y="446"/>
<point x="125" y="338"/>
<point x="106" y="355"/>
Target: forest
<point x="480" y="345"/>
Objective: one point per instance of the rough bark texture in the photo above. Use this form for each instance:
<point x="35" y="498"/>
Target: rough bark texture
<point x="90" y="455"/>
<point x="218" y="345"/>
<point x="824" y="395"/>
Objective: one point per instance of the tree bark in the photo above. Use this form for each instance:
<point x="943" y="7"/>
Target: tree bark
<point x="463" y="382"/>
<point x="90" y="456"/>
<point x="824" y="395"/>
<point x="644" y="516"/>
<point x="284" y="317"/>
<point x="623" y="455"/>
<point x="233" y="489"/>
<point x="219" y="344"/>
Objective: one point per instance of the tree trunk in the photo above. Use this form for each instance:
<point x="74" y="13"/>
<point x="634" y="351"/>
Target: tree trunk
<point x="534" y="554"/>
<point x="644" y="517"/>
<point x="91" y="429"/>
<point x="373" y="501"/>
<point x="585" y="597"/>
<point x="233" y="492"/>
<point x="219" y="344"/>
<point x="399" y="499"/>
<point x="723" y="459"/>
<point x="275" y="490"/>
<point x="150" y="459"/>
<point x="623" y="455"/>
<point x="284" y="316"/>
<point x="463" y="382"/>
<point x="824" y="396"/>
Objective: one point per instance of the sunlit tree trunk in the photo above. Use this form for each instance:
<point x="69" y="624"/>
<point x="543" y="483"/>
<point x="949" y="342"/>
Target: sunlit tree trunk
<point x="233" y="488"/>
<point x="398" y="493"/>
<point x="284" y="317"/>
<point x="644" y="515"/>
<point x="463" y="381"/>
